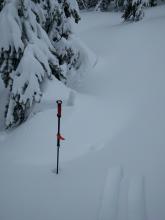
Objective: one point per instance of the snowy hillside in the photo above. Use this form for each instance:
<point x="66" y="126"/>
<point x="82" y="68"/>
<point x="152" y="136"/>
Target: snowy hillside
<point x="112" y="161"/>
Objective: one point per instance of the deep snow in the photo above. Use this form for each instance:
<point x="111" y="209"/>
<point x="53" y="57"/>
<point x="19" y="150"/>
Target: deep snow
<point x="114" y="133"/>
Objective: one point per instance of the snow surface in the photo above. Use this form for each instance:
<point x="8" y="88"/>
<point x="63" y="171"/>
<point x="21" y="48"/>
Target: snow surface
<point x="115" y="123"/>
<point x="110" y="199"/>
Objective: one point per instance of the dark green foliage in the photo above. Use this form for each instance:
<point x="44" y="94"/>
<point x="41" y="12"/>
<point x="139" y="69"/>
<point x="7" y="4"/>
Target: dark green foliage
<point x="87" y="3"/>
<point x="104" y="5"/>
<point x="2" y="3"/>
<point x="153" y="3"/>
<point x="133" y="11"/>
<point x="70" y="12"/>
<point x="9" y="61"/>
<point x="128" y="10"/>
<point x="118" y="5"/>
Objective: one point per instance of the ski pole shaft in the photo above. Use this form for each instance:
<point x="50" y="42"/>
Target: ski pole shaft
<point x="57" y="159"/>
<point x="59" y="103"/>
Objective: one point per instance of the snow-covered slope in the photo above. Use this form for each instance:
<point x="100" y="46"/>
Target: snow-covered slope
<point x="114" y="132"/>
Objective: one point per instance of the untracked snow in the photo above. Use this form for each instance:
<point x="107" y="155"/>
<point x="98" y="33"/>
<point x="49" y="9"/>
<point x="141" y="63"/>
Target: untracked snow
<point x="116" y="119"/>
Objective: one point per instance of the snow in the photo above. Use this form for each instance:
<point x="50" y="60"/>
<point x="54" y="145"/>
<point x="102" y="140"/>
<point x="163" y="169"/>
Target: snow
<point x="114" y="131"/>
<point x="110" y="200"/>
<point x="73" y="5"/>
<point x="136" y="199"/>
<point x="88" y="61"/>
<point x="9" y="23"/>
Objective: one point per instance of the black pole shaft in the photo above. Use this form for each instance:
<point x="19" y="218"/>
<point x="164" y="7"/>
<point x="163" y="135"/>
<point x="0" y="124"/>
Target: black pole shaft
<point x="57" y="159"/>
<point x="58" y="133"/>
<point x="58" y="143"/>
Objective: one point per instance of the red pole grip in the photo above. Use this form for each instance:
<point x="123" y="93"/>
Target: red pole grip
<point x="59" y="108"/>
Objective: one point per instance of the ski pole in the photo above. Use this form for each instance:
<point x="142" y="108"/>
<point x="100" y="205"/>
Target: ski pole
<point x="59" y="137"/>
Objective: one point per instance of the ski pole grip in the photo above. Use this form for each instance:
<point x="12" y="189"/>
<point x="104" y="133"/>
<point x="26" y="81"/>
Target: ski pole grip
<point x="59" y="108"/>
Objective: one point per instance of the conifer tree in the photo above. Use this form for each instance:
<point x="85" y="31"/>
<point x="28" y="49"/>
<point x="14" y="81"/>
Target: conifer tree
<point x="133" y="10"/>
<point x="86" y="4"/>
<point x="81" y="4"/>
<point x="54" y="17"/>
<point x="92" y="3"/>
<point x="103" y="5"/>
<point x="118" y="5"/>
<point x="153" y="3"/>
<point x="60" y="32"/>
<point x="28" y="55"/>
<point x="2" y="2"/>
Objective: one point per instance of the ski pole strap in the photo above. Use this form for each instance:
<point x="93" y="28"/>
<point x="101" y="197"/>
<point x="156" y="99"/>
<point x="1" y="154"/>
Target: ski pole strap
<point x="59" y="137"/>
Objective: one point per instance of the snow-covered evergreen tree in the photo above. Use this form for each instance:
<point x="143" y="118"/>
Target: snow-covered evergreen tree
<point x="33" y="47"/>
<point x="118" y="5"/>
<point x="87" y="3"/>
<point x="92" y="3"/>
<point x="54" y="17"/>
<point x="59" y="33"/>
<point x="103" y="5"/>
<point x="153" y="3"/>
<point x="133" y="10"/>
<point x="2" y="2"/>
<point x="82" y="4"/>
